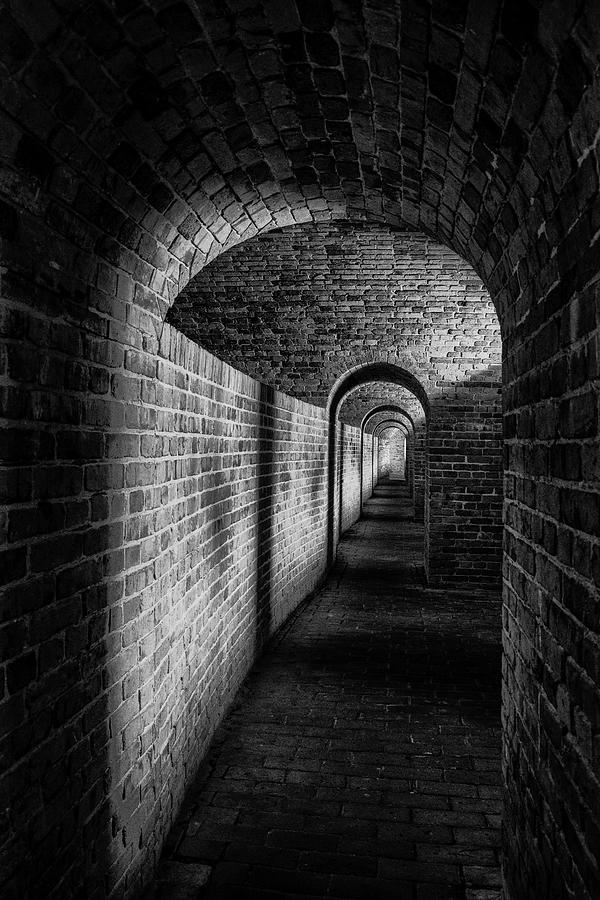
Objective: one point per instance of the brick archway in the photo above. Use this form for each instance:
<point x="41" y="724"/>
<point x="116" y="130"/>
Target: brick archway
<point x="365" y="375"/>
<point x="140" y="143"/>
<point x="370" y="423"/>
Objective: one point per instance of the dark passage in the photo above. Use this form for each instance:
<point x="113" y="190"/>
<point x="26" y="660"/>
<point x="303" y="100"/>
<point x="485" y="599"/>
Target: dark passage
<point x="362" y="757"/>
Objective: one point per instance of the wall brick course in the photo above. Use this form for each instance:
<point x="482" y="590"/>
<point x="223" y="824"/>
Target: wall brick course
<point x="507" y="177"/>
<point x="170" y="545"/>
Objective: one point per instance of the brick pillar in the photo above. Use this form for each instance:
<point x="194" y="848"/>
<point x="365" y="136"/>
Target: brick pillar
<point x="464" y="496"/>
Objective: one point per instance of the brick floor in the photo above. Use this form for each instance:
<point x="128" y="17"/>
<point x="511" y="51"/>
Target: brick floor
<point x="362" y="757"/>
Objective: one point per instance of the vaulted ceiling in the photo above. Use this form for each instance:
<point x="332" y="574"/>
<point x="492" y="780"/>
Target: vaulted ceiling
<point x="388" y="414"/>
<point x="299" y="307"/>
<point x="197" y="124"/>
<point x="362" y="400"/>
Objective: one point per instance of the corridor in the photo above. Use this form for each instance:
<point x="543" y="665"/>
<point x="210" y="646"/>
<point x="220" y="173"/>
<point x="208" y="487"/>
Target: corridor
<point x="242" y="245"/>
<point x="361" y="758"/>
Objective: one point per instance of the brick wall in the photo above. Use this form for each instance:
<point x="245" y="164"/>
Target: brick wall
<point x="392" y="453"/>
<point x="347" y="474"/>
<point x="369" y="445"/>
<point x="551" y="668"/>
<point x="551" y="693"/>
<point x="144" y="141"/>
<point x="464" y="488"/>
<point x="165" y="515"/>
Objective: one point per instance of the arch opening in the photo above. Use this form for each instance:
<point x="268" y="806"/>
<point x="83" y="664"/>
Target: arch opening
<point x="147" y="170"/>
<point x="354" y="398"/>
<point x="369" y="424"/>
<point x="372" y="418"/>
<point x="391" y="452"/>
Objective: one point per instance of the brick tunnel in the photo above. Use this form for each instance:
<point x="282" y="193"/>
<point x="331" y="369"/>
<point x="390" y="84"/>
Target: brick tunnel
<point x="300" y="450"/>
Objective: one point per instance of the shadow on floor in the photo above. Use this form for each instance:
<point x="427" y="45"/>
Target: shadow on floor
<point x="362" y="757"/>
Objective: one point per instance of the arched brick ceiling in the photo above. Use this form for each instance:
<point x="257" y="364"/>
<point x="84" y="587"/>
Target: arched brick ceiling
<point x="198" y="124"/>
<point x="299" y="307"/>
<point x="390" y="427"/>
<point x="388" y="415"/>
<point x="363" y="399"/>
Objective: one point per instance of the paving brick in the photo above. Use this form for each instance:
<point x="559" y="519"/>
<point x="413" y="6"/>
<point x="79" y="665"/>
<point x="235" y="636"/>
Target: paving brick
<point x="358" y="831"/>
<point x="138" y="144"/>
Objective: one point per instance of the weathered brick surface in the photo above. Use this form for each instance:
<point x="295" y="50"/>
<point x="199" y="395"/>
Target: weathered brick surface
<point x="552" y="579"/>
<point x="136" y="144"/>
<point x="369" y="472"/>
<point x="464" y="490"/>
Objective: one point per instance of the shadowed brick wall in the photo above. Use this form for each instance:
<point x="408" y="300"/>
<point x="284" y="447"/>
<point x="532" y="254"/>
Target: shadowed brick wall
<point x="551" y="690"/>
<point x="464" y="524"/>
<point x="139" y="142"/>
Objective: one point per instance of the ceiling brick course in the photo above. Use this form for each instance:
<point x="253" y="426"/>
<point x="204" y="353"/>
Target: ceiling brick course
<point x="362" y="400"/>
<point x="388" y="413"/>
<point x="140" y="140"/>
<point x="299" y="307"/>
<point x="207" y="123"/>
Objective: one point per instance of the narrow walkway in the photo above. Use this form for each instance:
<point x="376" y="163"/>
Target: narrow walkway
<point x="362" y="759"/>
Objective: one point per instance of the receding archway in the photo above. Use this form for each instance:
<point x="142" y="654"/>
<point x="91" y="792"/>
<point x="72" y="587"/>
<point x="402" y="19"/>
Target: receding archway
<point x="391" y="453"/>
<point x="370" y="423"/>
<point x="177" y="139"/>
<point x="369" y="374"/>
<point x="369" y="468"/>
